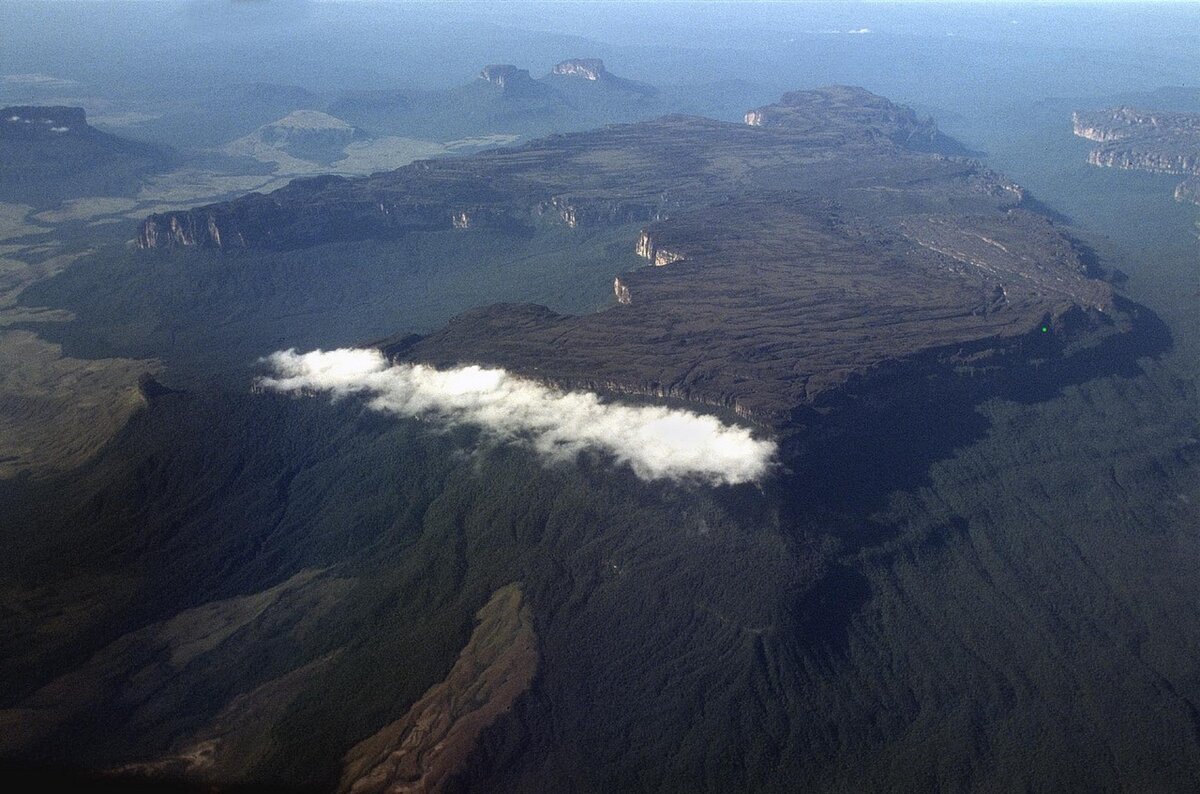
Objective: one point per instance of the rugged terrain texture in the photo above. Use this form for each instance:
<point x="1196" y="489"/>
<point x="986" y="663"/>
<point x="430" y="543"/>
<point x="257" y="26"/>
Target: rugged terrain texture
<point x="794" y="254"/>
<point x="812" y="110"/>
<point x="423" y="750"/>
<point x="1129" y="138"/>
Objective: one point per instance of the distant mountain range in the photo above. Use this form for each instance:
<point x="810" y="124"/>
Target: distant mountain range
<point x="576" y="94"/>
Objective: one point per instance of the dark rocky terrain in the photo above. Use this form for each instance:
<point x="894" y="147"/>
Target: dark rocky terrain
<point x="793" y="255"/>
<point x="248" y="589"/>
<point x="48" y="154"/>
<point x="811" y="110"/>
<point x="1130" y="138"/>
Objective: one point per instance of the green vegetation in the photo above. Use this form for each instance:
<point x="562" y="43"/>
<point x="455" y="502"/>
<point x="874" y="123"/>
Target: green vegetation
<point x="210" y="313"/>
<point x="823" y="632"/>
<point x="936" y="593"/>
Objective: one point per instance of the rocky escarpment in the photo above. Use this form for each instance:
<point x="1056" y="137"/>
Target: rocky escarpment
<point x="865" y="112"/>
<point x="792" y="256"/>
<point x="650" y="247"/>
<point x="504" y="75"/>
<point x="325" y="209"/>
<point x="584" y="68"/>
<point x="584" y="77"/>
<point x="1126" y="122"/>
<point x="1188" y="190"/>
<point x="1135" y="139"/>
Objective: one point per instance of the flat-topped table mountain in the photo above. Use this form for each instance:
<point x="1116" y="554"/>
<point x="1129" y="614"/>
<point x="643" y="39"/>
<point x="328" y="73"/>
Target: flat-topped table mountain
<point x="792" y="256"/>
<point x="49" y="153"/>
<point x="578" y="93"/>
<point x="1143" y="140"/>
<point x="853" y="106"/>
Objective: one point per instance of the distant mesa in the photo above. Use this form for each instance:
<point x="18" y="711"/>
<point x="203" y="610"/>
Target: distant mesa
<point x="809" y="111"/>
<point x="585" y="68"/>
<point x="590" y="72"/>
<point x="504" y="99"/>
<point x="504" y="75"/>
<point x="305" y="134"/>
<point x="49" y="153"/>
<point x="1142" y="140"/>
<point x="302" y="128"/>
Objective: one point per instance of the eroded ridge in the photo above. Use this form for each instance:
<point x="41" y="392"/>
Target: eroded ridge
<point x="423" y="750"/>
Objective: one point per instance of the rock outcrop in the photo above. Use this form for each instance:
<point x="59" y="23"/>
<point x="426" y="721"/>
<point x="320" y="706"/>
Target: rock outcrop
<point x="504" y="75"/>
<point x="1188" y="190"/>
<point x="855" y="109"/>
<point x="583" y="77"/>
<point x="1133" y="139"/>
<point x="585" y="68"/>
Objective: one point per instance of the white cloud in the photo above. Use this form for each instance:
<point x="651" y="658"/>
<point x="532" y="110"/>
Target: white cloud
<point x="656" y="442"/>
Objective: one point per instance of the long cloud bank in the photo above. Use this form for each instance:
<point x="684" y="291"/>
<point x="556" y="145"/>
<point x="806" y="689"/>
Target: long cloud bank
<point x="656" y="442"/>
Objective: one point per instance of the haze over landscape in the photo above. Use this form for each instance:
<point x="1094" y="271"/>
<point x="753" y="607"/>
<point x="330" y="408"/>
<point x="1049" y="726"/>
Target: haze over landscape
<point x="593" y="396"/>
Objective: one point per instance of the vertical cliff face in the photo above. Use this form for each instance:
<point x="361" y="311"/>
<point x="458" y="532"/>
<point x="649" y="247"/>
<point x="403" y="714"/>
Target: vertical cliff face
<point x="504" y="75"/>
<point x="1163" y="162"/>
<point x="1132" y="139"/>
<point x="809" y="111"/>
<point x="1089" y="127"/>
<point x="583" y="68"/>
<point x="1125" y="122"/>
<point x="50" y="153"/>
<point x="621" y="290"/>
<point x="193" y="229"/>
<point x="658" y="256"/>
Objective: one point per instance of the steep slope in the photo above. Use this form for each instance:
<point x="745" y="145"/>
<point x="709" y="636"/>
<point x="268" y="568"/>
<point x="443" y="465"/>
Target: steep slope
<point x="1129" y="138"/>
<point x="426" y="748"/>
<point x="798" y="255"/>
<point x="249" y="589"/>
